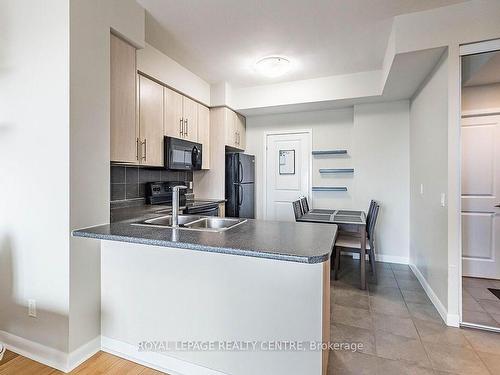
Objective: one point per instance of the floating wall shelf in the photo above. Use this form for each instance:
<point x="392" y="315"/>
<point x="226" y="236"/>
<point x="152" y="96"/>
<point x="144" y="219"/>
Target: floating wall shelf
<point x="330" y="152"/>
<point x="329" y="188"/>
<point x="336" y="170"/>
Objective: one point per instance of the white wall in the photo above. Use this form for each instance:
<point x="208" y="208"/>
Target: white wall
<point x="377" y="139"/>
<point x="429" y="166"/>
<point x="158" y="65"/>
<point x="483" y="97"/>
<point x="91" y="21"/>
<point x="34" y="187"/>
<point x="381" y="160"/>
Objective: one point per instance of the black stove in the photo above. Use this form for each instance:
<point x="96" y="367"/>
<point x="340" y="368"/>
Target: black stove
<point x="161" y="193"/>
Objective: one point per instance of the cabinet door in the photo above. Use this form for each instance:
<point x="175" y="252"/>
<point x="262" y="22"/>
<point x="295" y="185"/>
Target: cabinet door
<point x="173" y="124"/>
<point x="230" y="125"/>
<point x="151" y="122"/>
<point x="190" y="112"/>
<point x="204" y="134"/>
<point x="241" y="132"/>
<point x="124" y="126"/>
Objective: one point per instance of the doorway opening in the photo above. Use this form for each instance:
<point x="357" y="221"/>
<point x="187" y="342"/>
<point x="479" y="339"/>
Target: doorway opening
<point x="480" y="189"/>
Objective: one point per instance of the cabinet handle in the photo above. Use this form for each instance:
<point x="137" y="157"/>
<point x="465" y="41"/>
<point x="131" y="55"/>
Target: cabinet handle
<point x="137" y="148"/>
<point x="181" y="132"/>
<point x="187" y="128"/>
<point x="144" y="157"/>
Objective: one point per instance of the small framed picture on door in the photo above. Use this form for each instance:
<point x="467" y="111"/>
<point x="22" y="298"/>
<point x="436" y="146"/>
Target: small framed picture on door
<point x="287" y="161"/>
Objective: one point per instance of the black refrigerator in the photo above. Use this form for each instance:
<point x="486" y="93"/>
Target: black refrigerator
<point x="240" y="182"/>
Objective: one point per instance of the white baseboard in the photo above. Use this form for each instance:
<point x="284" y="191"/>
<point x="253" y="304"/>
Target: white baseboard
<point x="383" y="258"/>
<point x="35" y="351"/>
<point x="51" y="357"/>
<point x="84" y="352"/>
<point x="452" y="320"/>
<point x="157" y="361"/>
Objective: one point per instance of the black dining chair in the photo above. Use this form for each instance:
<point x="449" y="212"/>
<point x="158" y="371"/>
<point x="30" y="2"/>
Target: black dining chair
<point x="305" y="205"/>
<point x="353" y="244"/>
<point x="297" y="209"/>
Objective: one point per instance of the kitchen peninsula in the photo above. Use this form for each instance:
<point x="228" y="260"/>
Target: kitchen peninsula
<point x="259" y="281"/>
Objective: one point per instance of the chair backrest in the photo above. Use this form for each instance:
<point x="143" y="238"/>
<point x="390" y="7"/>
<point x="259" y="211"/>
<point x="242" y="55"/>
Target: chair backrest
<point x="371" y="228"/>
<point x="305" y="205"/>
<point x="373" y="203"/>
<point x="297" y="209"/>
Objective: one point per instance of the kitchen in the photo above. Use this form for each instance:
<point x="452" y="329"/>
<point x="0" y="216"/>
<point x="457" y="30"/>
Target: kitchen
<point x="180" y="138"/>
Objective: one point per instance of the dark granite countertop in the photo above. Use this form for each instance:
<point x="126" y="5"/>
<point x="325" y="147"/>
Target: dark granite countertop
<point x="287" y="241"/>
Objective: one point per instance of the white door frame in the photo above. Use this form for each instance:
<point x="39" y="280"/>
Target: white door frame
<point x="264" y="166"/>
<point x="465" y="50"/>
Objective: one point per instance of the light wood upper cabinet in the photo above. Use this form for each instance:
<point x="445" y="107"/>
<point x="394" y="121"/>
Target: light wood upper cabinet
<point x="150" y="122"/>
<point x="124" y="125"/>
<point x="204" y="134"/>
<point x="235" y="129"/>
<point x="190" y="111"/>
<point x="174" y="121"/>
<point x="241" y="130"/>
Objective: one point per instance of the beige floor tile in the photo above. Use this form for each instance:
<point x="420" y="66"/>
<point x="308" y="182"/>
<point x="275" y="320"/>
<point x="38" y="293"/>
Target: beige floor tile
<point x="476" y="282"/>
<point x="481" y="293"/>
<point x="400" y="267"/>
<point x="385" y="280"/>
<point x="493" y="307"/>
<point x="492" y="361"/>
<point x="456" y="359"/>
<point x="357" y="301"/>
<point x="387" y="307"/>
<point x="395" y="325"/>
<point x="424" y="312"/>
<point x="341" y="333"/>
<point x="496" y="317"/>
<point x="469" y="303"/>
<point x="439" y="333"/>
<point x="391" y="367"/>
<point x="351" y="316"/>
<point x="405" y="275"/>
<point x="494" y="284"/>
<point x="415" y="296"/>
<point x="482" y="341"/>
<point x="478" y="317"/>
<point x="392" y="293"/>
<point x="396" y="347"/>
<point x="410" y="285"/>
<point x="349" y="363"/>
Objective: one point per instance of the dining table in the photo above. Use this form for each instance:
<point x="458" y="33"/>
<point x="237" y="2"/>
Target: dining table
<point x="347" y="220"/>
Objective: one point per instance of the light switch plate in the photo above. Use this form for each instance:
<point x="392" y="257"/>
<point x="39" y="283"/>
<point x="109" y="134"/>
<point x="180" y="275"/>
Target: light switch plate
<point x="443" y="199"/>
<point x="421" y="189"/>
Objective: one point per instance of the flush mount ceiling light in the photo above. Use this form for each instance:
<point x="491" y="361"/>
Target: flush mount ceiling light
<point x="272" y="66"/>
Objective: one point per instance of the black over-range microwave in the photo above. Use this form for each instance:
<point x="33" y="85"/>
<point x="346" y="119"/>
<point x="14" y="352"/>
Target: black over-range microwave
<point x="182" y="155"/>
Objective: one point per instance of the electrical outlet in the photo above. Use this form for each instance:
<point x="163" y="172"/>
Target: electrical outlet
<point x="32" y="308"/>
<point x="443" y="199"/>
<point x="421" y="189"/>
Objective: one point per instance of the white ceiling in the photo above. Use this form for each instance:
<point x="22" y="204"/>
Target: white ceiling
<point x="221" y="39"/>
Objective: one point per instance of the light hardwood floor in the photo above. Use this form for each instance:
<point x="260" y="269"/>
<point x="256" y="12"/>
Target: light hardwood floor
<point x="101" y="363"/>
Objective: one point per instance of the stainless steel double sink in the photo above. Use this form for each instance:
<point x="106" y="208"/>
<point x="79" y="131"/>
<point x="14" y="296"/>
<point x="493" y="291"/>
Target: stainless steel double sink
<point x="194" y="222"/>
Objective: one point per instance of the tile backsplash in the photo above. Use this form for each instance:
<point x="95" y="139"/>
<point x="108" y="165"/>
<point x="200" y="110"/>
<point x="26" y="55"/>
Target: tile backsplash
<point x="129" y="182"/>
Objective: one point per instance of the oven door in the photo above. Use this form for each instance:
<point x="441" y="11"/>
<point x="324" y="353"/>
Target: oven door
<point x="205" y="211"/>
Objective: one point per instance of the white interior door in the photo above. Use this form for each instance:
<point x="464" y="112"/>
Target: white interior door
<point x="288" y="162"/>
<point x="480" y="196"/>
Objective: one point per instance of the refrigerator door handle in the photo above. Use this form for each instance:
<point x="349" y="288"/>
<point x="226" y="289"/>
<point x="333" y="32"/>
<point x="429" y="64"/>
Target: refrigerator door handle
<point x="240" y="168"/>
<point x="240" y="196"/>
